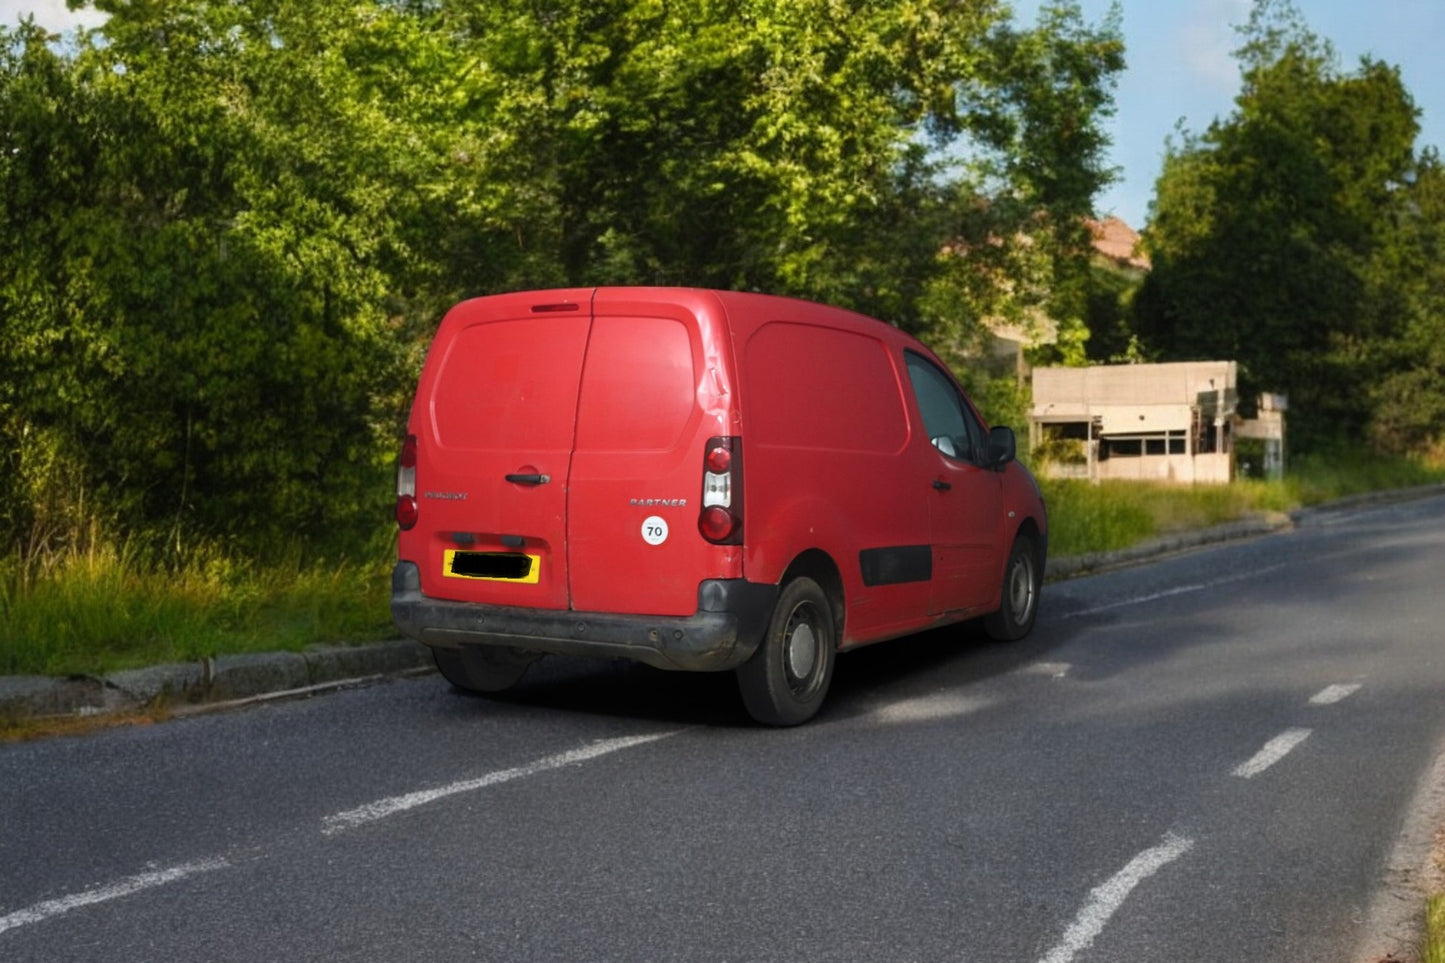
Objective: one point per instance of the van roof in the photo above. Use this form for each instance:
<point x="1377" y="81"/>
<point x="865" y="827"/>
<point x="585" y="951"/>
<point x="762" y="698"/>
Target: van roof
<point x="741" y="306"/>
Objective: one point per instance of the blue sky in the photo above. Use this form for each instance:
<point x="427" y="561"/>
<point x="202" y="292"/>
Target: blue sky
<point x="1179" y="67"/>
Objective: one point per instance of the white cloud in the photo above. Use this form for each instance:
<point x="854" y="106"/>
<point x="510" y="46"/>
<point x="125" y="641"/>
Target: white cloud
<point x="1209" y="40"/>
<point x="51" y="14"/>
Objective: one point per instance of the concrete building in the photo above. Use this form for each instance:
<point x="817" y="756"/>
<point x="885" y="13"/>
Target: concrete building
<point x="1268" y="428"/>
<point x="1146" y="422"/>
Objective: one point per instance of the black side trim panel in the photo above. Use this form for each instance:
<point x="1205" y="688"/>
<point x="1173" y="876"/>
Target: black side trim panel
<point x="894" y="566"/>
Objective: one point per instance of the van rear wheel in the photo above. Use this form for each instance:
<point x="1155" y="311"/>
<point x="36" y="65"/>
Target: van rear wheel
<point x="479" y="668"/>
<point x="787" y="678"/>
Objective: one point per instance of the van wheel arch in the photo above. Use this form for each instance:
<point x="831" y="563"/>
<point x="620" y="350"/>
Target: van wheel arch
<point x="1030" y="529"/>
<point x="787" y="678"/>
<point x="820" y="567"/>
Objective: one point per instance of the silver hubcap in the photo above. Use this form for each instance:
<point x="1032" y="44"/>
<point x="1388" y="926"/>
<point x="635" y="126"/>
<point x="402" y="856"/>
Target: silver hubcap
<point x="1021" y="589"/>
<point x="802" y="651"/>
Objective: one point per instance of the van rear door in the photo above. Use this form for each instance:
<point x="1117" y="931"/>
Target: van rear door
<point x="495" y="418"/>
<point x="656" y="386"/>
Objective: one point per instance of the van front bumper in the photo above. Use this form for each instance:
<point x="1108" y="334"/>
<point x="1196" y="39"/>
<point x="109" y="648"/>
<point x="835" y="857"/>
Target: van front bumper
<point x="732" y="615"/>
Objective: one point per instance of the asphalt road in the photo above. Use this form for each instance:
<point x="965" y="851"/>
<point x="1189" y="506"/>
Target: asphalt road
<point x="1210" y="757"/>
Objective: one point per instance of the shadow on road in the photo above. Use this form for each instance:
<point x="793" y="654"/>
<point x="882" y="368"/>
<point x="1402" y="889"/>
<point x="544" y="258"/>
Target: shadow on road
<point x="951" y="658"/>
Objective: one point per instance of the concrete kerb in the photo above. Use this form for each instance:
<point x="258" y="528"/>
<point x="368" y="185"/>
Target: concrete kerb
<point x="246" y="677"/>
<point x="222" y="679"/>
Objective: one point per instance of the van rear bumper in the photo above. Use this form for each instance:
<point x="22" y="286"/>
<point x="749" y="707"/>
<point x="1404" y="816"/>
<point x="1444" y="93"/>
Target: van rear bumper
<point x="732" y="615"/>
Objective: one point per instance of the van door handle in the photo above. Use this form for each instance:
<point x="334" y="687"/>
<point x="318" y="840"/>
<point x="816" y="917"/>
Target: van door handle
<point x="940" y="485"/>
<point x="529" y="479"/>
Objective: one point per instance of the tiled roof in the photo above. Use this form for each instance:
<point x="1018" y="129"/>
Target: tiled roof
<point x="1119" y="242"/>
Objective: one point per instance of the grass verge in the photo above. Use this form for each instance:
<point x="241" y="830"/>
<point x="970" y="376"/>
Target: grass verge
<point x="1085" y="517"/>
<point x="112" y="608"/>
<point x="1434" y="948"/>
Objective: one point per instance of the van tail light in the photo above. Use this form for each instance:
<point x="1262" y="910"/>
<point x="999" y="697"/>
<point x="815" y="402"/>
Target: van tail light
<point x="721" y="520"/>
<point x="406" y="506"/>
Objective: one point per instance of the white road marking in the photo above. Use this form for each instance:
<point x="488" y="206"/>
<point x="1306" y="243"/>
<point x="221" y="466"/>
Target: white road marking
<point x="1273" y="751"/>
<point x="351" y="818"/>
<point x="126" y="887"/>
<point x="1107" y="897"/>
<point x="1170" y="593"/>
<point x="1332" y="694"/>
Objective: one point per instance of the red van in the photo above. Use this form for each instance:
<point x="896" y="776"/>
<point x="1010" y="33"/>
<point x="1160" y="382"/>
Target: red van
<point x="699" y="480"/>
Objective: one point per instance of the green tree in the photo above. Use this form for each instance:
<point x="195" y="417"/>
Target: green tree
<point x="206" y="253"/>
<point x="1407" y="398"/>
<point x="1020" y="245"/>
<point x="1265" y="231"/>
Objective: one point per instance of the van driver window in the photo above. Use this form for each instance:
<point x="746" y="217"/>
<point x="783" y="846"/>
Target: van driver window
<point x="950" y="425"/>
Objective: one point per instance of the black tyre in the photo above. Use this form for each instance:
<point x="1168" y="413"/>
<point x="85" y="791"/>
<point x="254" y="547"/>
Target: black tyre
<point x="786" y="680"/>
<point x="1019" y="600"/>
<point x="482" y="668"/>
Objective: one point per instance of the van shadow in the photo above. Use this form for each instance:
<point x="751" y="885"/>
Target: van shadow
<point x="622" y="689"/>
<point x="953" y="657"/>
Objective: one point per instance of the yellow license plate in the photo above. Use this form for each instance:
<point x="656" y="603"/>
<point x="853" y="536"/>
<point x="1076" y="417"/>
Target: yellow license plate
<point x="492" y="566"/>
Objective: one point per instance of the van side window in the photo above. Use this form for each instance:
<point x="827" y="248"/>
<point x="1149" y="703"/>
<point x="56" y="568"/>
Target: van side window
<point x="949" y="421"/>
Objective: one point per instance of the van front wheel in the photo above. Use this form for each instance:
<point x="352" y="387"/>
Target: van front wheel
<point x="482" y="668"/>
<point x="787" y="678"/>
<point x="1019" y="598"/>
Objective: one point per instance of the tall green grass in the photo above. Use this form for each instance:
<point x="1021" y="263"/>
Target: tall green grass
<point x="114" y="607"/>
<point x="1433" y="950"/>
<point x="1321" y="478"/>
<point x="1086" y="517"/>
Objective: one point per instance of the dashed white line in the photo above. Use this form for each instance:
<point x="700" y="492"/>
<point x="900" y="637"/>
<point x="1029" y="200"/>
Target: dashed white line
<point x="1329" y="695"/>
<point x="351" y="818"/>
<point x="126" y="887"/>
<point x="1170" y="593"/>
<point x="1273" y="751"/>
<point x="1107" y="897"/>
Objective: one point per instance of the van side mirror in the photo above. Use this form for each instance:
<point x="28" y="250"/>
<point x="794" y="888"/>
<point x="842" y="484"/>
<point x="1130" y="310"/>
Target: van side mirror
<point x="1002" y="447"/>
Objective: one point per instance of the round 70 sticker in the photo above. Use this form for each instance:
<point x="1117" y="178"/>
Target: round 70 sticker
<point x="654" y="530"/>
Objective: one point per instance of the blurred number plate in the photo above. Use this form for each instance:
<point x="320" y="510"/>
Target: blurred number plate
<point x="492" y="566"/>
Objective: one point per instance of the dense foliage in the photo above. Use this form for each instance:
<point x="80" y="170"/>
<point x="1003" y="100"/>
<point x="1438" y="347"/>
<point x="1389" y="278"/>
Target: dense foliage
<point x="226" y="229"/>
<point x="1301" y="236"/>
